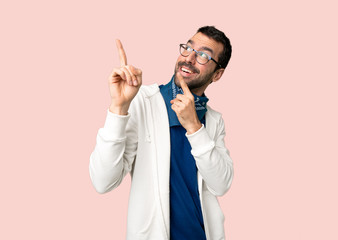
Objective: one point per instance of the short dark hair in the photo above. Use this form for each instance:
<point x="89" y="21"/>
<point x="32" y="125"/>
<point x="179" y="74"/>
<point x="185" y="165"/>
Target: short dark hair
<point x="219" y="36"/>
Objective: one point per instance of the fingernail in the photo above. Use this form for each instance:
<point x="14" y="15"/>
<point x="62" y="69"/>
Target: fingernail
<point x="135" y="82"/>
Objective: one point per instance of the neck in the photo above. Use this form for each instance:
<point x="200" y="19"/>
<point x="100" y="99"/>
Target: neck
<point x="198" y="91"/>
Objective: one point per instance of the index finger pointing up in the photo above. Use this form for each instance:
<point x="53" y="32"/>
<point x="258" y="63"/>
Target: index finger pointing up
<point x="122" y="54"/>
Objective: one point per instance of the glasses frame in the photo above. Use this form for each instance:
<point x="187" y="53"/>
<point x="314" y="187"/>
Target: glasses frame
<point x="197" y="52"/>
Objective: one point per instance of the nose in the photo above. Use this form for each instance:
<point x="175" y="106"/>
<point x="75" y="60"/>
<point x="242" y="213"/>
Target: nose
<point x="191" y="58"/>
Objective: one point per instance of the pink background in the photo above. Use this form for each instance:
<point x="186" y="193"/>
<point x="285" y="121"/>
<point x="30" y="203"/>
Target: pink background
<point x="278" y="98"/>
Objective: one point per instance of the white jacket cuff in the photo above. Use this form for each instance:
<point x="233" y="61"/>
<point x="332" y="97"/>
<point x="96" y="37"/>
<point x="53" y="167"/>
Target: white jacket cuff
<point x="200" y="141"/>
<point x="115" y="125"/>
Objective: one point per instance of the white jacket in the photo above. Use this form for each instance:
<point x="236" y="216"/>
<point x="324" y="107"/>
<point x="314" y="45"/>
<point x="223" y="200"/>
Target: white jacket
<point x="139" y="143"/>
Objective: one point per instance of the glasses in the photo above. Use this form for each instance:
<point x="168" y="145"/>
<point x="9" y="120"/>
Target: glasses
<point x="201" y="57"/>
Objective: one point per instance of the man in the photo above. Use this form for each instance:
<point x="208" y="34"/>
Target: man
<point x="170" y="142"/>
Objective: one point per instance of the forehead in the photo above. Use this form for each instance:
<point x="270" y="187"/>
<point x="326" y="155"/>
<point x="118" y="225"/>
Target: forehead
<point x="202" y="42"/>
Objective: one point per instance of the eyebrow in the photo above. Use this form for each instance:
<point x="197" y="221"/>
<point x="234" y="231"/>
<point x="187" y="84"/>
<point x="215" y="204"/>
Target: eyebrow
<point x="202" y="48"/>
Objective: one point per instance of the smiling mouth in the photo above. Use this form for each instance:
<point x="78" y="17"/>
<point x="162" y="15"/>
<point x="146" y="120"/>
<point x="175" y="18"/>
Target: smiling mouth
<point x="187" y="68"/>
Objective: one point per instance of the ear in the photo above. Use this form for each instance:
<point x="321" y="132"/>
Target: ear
<point x="218" y="74"/>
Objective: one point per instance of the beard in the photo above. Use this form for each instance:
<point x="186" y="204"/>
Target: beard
<point x="195" y="83"/>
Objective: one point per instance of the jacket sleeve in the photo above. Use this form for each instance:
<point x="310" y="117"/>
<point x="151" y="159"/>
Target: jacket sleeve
<point x="212" y="159"/>
<point x="114" y="153"/>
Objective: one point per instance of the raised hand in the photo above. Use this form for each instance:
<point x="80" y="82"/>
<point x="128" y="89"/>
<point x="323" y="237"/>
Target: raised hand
<point x="124" y="83"/>
<point x="184" y="107"/>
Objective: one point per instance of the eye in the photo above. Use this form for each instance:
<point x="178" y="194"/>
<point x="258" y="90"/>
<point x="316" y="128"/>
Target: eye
<point x="188" y="48"/>
<point x="204" y="55"/>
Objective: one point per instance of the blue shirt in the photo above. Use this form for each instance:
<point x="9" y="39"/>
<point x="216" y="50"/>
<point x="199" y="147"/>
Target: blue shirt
<point x="186" y="220"/>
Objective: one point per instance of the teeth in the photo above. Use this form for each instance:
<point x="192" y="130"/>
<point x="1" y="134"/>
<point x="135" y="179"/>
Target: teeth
<point x="186" y="70"/>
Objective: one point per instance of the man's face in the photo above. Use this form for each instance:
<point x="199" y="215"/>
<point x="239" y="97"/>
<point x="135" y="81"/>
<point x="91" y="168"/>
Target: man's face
<point x="198" y="76"/>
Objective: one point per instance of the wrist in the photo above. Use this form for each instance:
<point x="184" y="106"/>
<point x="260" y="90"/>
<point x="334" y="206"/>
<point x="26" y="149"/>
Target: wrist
<point x="194" y="128"/>
<point x="119" y="110"/>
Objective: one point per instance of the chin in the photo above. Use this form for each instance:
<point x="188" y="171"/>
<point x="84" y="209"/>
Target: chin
<point x="179" y="76"/>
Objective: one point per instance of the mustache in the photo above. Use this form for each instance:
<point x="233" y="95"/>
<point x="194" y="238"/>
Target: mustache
<point x="191" y="67"/>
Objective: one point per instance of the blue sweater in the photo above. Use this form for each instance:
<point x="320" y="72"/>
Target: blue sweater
<point x="186" y="220"/>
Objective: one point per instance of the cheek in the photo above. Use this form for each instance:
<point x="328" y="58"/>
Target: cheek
<point x="178" y="60"/>
<point x="203" y="70"/>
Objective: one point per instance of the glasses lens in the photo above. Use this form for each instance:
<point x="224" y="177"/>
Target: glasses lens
<point x="184" y="50"/>
<point x="202" y="58"/>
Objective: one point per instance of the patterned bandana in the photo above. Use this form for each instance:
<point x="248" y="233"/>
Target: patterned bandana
<point x="169" y="92"/>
